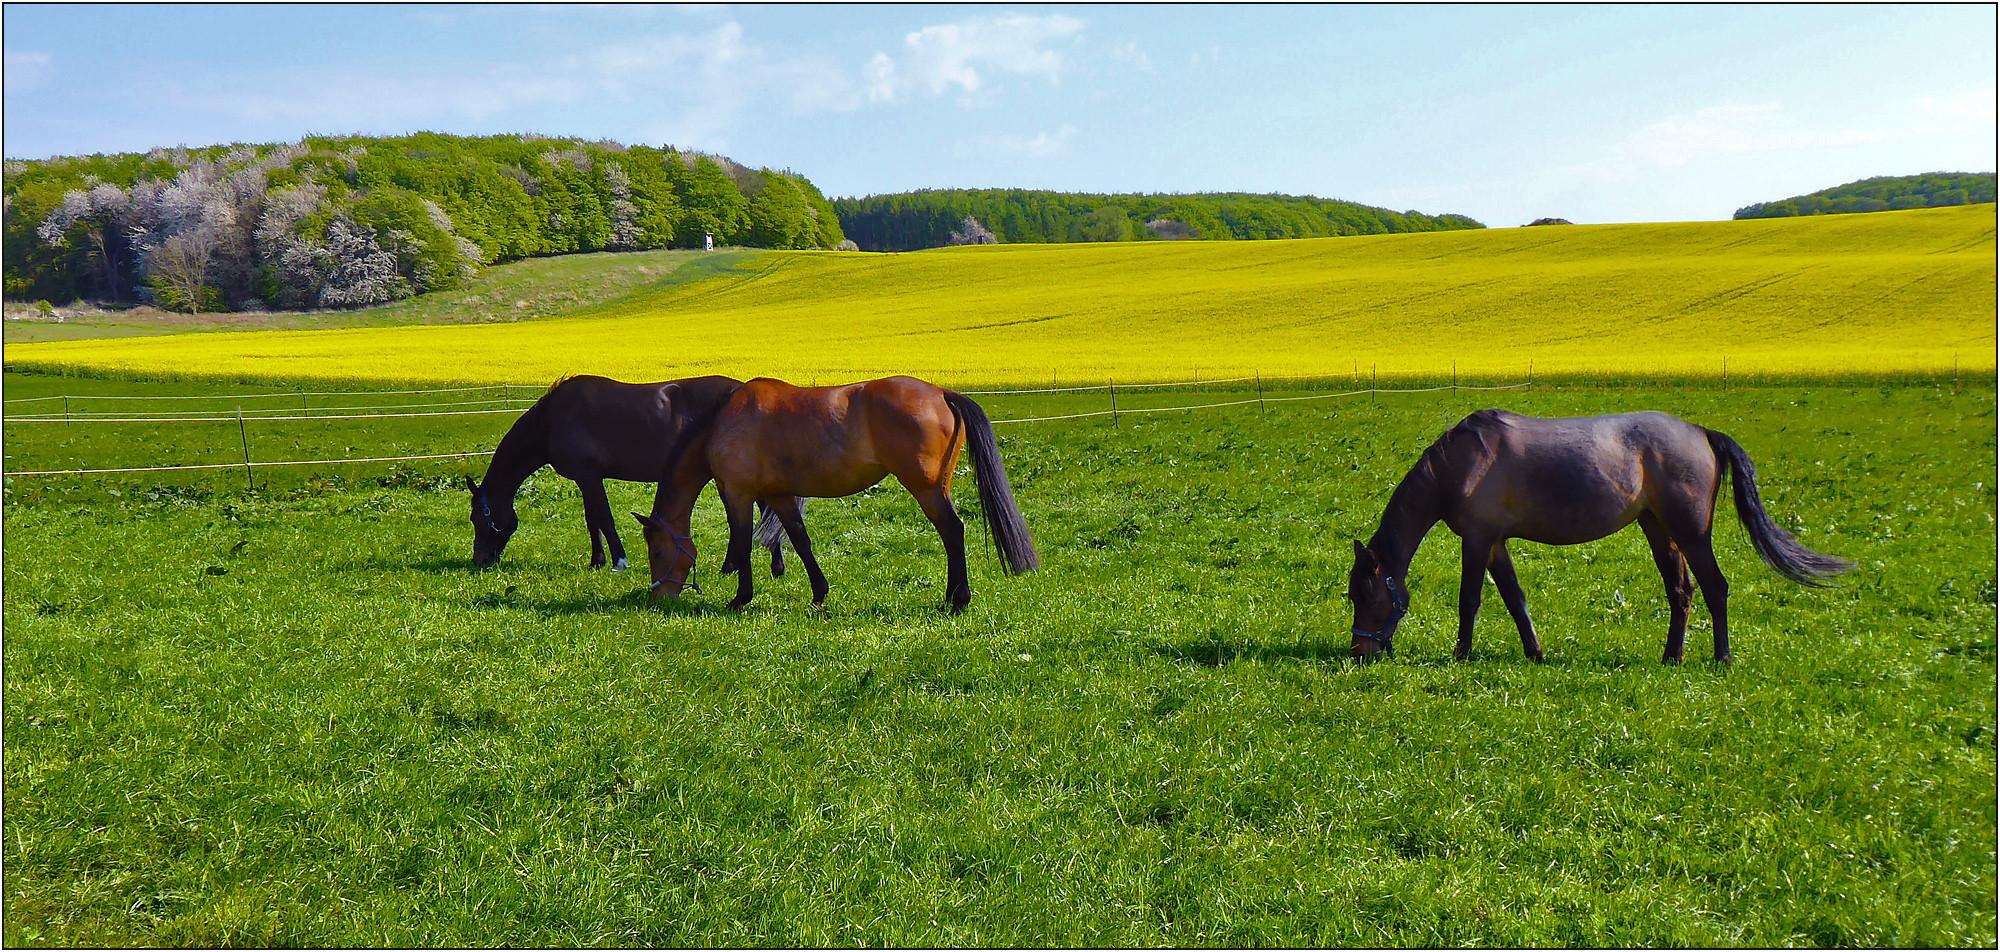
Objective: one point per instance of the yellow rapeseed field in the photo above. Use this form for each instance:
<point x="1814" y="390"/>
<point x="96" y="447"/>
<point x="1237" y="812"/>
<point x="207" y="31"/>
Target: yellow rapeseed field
<point x="1891" y="292"/>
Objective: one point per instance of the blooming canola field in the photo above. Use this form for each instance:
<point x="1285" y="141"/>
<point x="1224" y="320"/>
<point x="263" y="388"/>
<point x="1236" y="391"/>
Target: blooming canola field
<point x="1798" y="298"/>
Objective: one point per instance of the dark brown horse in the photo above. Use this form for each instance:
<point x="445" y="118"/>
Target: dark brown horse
<point x="1499" y="475"/>
<point x="773" y="442"/>
<point x="591" y="429"/>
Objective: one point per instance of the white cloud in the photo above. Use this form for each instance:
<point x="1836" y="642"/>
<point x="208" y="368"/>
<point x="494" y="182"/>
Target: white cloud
<point x="1735" y="129"/>
<point x="26" y="69"/>
<point x="1129" y="54"/>
<point x="433" y="18"/>
<point x="937" y="58"/>
<point x="1041" y="145"/>
<point x="1974" y="105"/>
<point x="685" y="89"/>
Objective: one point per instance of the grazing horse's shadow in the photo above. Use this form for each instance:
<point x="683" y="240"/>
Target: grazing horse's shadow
<point x="433" y="564"/>
<point x="1215" y="652"/>
<point x="635" y="602"/>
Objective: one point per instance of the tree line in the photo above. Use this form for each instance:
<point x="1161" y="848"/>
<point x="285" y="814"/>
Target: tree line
<point x="338" y="222"/>
<point x="933" y="218"/>
<point x="1881" y="194"/>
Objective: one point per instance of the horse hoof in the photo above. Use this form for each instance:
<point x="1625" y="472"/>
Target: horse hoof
<point x="738" y="604"/>
<point x="619" y="566"/>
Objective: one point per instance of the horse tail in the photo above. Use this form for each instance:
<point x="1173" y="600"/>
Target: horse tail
<point x="771" y="532"/>
<point x="996" y="495"/>
<point x="1778" y="548"/>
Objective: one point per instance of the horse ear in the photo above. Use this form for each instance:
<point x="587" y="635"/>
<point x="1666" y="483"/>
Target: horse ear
<point x="1364" y="559"/>
<point x="472" y="486"/>
<point x="646" y="522"/>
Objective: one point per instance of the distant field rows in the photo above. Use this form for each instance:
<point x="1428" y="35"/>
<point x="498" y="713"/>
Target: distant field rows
<point x="1832" y="296"/>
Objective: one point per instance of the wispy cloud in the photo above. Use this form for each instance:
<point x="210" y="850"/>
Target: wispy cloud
<point x="689" y="89"/>
<point x="1041" y="145"/>
<point x="937" y="58"/>
<point x="27" y="69"/>
<point x="1129" y="54"/>
<point x="1735" y="129"/>
<point x="1975" y="105"/>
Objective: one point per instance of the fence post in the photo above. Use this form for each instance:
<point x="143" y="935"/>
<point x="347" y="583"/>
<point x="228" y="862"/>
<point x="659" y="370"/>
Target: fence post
<point x="1531" y="375"/>
<point x="1260" y="392"/>
<point x="1114" y="400"/>
<point x="245" y="434"/>
<point x="66" y="420"/>
<point x="1454" y="375"/>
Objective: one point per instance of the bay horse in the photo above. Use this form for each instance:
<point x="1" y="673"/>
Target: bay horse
<point x="591" y="429"/>
<point x="773" y="442"/>
<point x="1499" y="475"/>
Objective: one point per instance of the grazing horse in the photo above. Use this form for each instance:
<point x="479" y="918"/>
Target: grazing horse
<point x="773" y="442"/>
<point x="591" y="429"/>
<point x="1499" y="475"/>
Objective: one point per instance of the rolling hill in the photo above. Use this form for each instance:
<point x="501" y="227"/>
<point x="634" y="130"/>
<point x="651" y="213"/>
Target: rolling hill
<point x="1824" y="296"/>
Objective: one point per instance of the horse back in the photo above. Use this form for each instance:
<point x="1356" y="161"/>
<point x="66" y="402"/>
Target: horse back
<point x="778" y="439"/>
<point x="603" y="428"/>
<point x="1571" y="479"/>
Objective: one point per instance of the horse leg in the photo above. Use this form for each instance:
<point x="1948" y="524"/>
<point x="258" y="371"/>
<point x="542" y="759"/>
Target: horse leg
<point x="1700" y="553"/>
<point x="598" y="519"/>
<point x="936" y="502"/>
<point x="1502" y="570"/>
<point x="787" y="508"/>
<point x="737" y="507"/>
<point x="1477" y="555"/>
<point x="1674" y="573"/>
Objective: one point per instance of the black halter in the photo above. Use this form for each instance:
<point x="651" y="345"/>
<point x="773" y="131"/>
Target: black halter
<point x="487" y="512"/>
<point x="687" y="550"/>
<point x="1399" y="603"/>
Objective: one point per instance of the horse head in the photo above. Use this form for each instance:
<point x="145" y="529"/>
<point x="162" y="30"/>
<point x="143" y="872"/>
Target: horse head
<point x="492" y="525"/>
<point x="1379" y="601"/>
<point x="670" y="556"/>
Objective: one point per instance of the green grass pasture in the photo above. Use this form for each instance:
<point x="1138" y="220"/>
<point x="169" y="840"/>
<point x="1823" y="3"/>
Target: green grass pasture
<point x="295" y="716"/>
<point x="1837" y="297"/>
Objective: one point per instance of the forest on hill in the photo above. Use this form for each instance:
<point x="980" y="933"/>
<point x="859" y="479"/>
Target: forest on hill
<point x="1883" y="193"/>
<point x="337" y="222"/>
<point x="935" y="217"/>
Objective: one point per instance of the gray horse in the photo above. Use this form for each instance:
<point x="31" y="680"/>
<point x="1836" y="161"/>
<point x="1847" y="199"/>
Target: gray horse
<point x="1499" y="475"/>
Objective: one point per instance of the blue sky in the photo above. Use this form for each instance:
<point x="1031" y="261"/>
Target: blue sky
<point x="1504" y="113"/>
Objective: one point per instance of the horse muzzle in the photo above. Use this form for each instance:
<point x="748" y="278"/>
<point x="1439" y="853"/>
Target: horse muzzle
<point x="1367" y="645"/>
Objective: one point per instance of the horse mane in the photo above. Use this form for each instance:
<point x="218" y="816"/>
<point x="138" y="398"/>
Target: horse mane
<point x="1424" y="483"/>
<point x="695" y="426"/>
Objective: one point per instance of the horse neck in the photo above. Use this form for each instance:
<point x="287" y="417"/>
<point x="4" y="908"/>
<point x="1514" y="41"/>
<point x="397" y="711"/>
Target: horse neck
<point x="522" y="451"/>
<point x="1413" y="509"/>
<point x="673" y="500"/>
